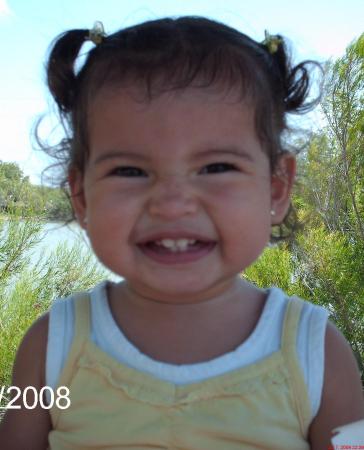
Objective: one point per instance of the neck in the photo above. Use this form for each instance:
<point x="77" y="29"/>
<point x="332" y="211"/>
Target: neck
<point x="190" y="332"/>
<point x="207" y="305"/>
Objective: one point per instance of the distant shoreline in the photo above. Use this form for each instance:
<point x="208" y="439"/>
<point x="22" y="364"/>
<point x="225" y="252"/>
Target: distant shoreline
<point x="45" y="220"/>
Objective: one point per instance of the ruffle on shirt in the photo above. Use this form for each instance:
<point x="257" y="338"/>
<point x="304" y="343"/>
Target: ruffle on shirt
<point x="148" y="389"/>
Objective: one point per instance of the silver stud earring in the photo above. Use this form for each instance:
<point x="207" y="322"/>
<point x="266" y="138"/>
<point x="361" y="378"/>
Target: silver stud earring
<point x="272" y="212"/>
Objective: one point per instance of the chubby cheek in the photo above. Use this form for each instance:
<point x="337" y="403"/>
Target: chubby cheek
<point x="110" y="245"/>
<point x="242" y="243"/>
<point x="111" y="219"/>
<point x="242" y="221"/>
<point x="110" y="205"/>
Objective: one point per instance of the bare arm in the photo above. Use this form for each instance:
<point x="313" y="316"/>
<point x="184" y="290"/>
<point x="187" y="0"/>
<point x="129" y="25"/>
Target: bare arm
<point x="342" y="397"/>
<point x="28" y="428"/>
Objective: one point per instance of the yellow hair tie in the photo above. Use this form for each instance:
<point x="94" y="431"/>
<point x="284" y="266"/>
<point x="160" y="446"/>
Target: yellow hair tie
<point x="272" y="42"/>
<point x="97" y="33"/>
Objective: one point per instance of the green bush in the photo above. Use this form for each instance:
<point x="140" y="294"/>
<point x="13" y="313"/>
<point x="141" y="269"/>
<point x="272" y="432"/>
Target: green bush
<point x="27" y="290"/>
<point x="325" y="268"/>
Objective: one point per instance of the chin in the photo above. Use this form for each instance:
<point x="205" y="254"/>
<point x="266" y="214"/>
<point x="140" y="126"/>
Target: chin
<point x="172" y="291"/>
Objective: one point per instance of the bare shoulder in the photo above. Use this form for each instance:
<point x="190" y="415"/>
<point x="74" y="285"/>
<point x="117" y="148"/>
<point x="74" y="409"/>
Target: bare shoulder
<point x="28" y="428"/>
<point x="33" y="348"/>
<point x="342" y="399"/>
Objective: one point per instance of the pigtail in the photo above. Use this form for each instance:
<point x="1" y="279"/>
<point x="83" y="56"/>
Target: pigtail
<point x="298" y="88"/>
<point x="61" y="76"/>
<point x="295" y="80"/>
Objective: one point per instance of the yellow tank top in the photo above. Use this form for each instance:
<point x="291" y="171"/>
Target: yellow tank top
<point x="261" y="406"/>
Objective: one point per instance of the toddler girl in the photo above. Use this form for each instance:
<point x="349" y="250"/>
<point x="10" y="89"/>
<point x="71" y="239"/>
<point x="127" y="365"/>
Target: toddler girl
<point x="177" y="172"/>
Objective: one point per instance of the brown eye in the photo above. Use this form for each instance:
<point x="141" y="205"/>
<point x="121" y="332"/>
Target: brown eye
<point x="218" y="168"/>
<point x="128" y="172"/>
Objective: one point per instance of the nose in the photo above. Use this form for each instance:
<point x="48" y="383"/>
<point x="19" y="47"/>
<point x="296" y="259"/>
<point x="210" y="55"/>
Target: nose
<point x="171" y="198"/>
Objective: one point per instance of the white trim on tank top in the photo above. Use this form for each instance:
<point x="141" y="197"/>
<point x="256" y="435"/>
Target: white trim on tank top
<point x="262" y="342"/>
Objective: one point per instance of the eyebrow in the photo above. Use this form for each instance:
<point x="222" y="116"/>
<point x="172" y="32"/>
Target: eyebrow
<point x="140" y="157"/>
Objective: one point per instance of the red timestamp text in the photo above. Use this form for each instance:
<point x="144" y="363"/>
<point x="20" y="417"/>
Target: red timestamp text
<point x="346" y="447"/>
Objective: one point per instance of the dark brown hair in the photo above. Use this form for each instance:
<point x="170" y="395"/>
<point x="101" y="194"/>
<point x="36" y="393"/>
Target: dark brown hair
<point x="168" y="54"/>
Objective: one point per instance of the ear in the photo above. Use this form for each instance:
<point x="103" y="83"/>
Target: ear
<point x="78" y="200"/>
<point x="281" y="186"/>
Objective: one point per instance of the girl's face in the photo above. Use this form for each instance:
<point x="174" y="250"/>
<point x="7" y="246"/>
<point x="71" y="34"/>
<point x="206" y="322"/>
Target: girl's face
<point x="187" y="165"/>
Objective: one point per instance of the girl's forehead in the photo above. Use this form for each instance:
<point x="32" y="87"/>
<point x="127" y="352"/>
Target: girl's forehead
<point x="195" y="107"/>
<point x="144" y="96"/>
<point x="190" y="120"/>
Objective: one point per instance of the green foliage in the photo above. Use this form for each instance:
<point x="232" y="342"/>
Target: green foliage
<point x="273" y="268"/>
<point x="69" y="268"/>
<point x="57" y="205"/>
<point x="16" y="238"/>
<point x="17" y="192"/>
<point x="332" y="269"/>
<point x="13" y="184"/>
<point x="333" y="248"/>
<point x="325" y="262"/>
<point x="343" y="105"/>
<point x="11" y="172"/>
<point x="26" y="291"/>
<point x="326" y="269"/>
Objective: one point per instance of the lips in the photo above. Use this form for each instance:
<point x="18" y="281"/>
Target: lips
<point x="149" y="246"/>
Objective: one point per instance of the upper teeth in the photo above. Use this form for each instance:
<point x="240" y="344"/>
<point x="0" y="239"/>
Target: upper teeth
<point x="178" y="244"/>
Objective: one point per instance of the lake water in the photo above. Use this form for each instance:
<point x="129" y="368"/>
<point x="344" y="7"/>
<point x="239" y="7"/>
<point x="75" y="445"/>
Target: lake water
<point x="54" y="234"/>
